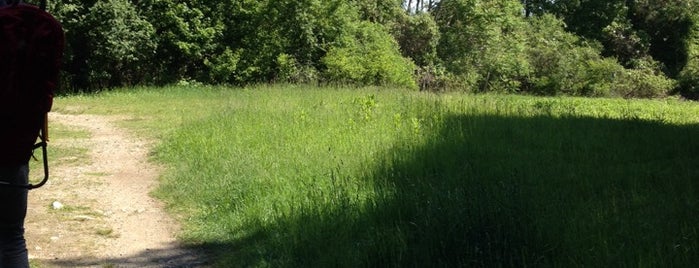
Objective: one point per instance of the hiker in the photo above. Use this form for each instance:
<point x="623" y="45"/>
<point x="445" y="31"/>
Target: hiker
<point x="31" y="48"/>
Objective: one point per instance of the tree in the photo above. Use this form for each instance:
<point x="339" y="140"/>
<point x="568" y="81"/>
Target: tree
<point x="269" y="37"/>
<point x="368" y="55"/>
<point x="482" y="42"/>
<point x="120" y="43"/>
<point x="71" y="14"/>
<point x="667" y="25"/>
<point x="563" y="63"/>
<point x="645" y="36"/>
<point x="418" y="37"/>
<point x="419" y="6"/>
<point x="186" y="36"/>
<point x="379" y="11"/>
<point x="108" y="43"/>
<point x="689" y="75"/>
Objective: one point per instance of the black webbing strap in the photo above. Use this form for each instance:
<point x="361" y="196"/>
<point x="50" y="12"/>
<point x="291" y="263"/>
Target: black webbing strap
<point x="43" y="144"/>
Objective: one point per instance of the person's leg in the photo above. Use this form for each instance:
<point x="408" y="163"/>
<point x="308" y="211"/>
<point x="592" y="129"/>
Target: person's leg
<point x="13" y="210"/>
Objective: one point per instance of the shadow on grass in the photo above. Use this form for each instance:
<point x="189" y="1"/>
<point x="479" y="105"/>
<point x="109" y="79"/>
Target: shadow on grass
<point x="168" y="257"/>
<point x="502" y="191"/>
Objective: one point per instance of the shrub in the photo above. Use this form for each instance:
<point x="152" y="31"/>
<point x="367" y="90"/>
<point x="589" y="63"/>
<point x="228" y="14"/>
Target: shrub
<point x="689" y="76"/>
<point x="418" y="36"/>
<point x="369" y="56"/>
<point x="291" y="71"/>
<point x="108" y="43"/>
<point x="222" y="67"/>
<point x="482" y="43"/>
<point x="188" y="36"/>
<point x="562" y="64"/>
<point x="689" y="81"/>
<point x="601" y="77"/>
<point x="645" y="80"/>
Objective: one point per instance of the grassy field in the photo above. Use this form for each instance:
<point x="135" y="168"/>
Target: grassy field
<point x="292" y="176"/>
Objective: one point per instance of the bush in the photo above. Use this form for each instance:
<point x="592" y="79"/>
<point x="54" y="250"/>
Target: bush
<point x="368" y="56"/>
<point x="689" y="82"/>
<point x="222" y="67"/>
<point x="645" y="80"/>
<point x="563" y="64"/>
<point x="689" y="76"/>
<point x="482" y="43"/>
<point x="121" y="43"/>
<point x="188" y="36"/>
<point x="418" y="36"/>
<point x="606" y="77"/>
<point x="290" y="71"/>
<point x="600" y="77"/>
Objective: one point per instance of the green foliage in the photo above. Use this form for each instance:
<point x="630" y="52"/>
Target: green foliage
<point x="689" y="82"/>
<point x="468" y="45"/>
<point x="222" y="67"/>
<point x="436" y="78"/>
<point x="187" y="34"/>
<point x="109" y="43"/>
<point x="635" y="31"/>
<point x="689" y="76"/>
<point x="564" y="64"/>
<point x="369" y="56"/>
<point x="290" y="71"/>
<point x="560" y="61"/>
<point x="667" y="25"/>
<point x="379" y="11"/>
<point x="600" y="78"/>
<point x="646" y="80"/>
<point x="624" y="42"/>
<point x="482" y="43"/>
<point x="418" y="37"/>
<point x="120" y="43"/>
<point x="71" y="14"/>
<point x="585" y="18"/>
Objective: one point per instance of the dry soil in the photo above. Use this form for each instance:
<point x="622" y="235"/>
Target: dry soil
<point x="96" y="210"/>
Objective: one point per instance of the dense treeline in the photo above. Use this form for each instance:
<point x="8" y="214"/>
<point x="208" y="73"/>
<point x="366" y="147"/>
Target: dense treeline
<point x="630" y="48"/>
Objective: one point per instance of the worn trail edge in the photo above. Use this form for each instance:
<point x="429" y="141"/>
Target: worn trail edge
<point x="96" y="210"/>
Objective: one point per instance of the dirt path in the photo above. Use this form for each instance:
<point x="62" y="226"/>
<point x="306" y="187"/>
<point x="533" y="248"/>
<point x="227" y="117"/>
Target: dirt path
<point x="96" y="210"/>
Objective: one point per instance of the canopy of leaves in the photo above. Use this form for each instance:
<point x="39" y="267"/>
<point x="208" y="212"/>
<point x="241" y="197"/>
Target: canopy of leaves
<point x="574" y="47"/>
<point x="482" y="42"/>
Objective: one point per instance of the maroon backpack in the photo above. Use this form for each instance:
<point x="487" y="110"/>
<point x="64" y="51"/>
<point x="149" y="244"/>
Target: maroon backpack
<point x="31" y="49"/>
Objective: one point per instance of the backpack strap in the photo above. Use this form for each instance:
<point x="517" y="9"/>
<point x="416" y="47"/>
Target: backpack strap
<point x="43" y="144"/>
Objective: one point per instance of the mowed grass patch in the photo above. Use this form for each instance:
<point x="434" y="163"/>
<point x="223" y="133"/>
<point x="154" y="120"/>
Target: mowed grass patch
<point x="291" y="177"/>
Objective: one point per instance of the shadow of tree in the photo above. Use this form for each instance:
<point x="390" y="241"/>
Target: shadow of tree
<point x="170" y="256"/>
<point x="514" y="191"/>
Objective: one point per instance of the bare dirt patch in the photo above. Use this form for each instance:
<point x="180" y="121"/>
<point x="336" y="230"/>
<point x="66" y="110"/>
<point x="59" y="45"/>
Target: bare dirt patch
<point x="96" y="210"/>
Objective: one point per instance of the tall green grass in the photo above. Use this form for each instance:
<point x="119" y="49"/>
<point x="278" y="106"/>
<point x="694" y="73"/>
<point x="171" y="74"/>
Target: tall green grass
<point x="295" y="177"/>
